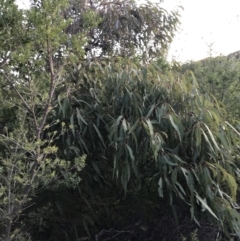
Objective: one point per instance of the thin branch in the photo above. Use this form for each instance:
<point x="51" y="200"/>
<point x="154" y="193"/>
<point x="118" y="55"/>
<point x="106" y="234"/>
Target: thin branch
<point x="18" y="93"/>
<point x="33" y="109"/>
<point x="13" y="141"/>
<point x="51" y="90"/>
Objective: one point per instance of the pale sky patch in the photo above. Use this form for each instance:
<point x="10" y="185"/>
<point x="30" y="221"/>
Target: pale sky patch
<point x="23" y="3"/>
<point x="206" y="23"/>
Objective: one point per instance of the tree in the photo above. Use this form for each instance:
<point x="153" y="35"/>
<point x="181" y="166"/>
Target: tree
<point x="125" y="28"/>
<point x="138" y="130"/>
<point x="31" y="73"/>
<point x="145" y="126"/>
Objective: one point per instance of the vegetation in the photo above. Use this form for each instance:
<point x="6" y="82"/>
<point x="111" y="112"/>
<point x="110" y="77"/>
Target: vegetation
<point x="219" y="77"/>
<point x="100" y="137"/>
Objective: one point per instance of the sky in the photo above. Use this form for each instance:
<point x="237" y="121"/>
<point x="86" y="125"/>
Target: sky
<point x="208" y="27"/>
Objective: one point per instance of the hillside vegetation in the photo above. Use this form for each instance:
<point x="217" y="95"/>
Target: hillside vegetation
<point x="220" y="77"/>
<point x="102" y="139"/>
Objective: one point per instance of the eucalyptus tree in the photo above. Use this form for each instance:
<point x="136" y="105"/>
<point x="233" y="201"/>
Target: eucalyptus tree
<point x="156" y="130"/>
<point x="126" y="28"/>
<point x="73" y="89"/>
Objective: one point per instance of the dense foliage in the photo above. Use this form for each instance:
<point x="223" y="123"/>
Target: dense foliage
<point x="124" y="28"/>
<point x="219" y="76"/>
<point x="107" y="146"/>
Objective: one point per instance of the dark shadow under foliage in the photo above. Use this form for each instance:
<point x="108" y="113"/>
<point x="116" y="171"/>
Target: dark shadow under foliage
<point x="136" y="216"/>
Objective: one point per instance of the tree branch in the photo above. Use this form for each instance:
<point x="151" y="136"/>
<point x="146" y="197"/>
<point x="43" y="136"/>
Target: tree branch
<point x="51" y="90"/>
<point x="18" y="93"/>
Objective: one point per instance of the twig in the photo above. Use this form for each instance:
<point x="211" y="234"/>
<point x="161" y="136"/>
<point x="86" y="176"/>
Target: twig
<point x="18" y="93"/>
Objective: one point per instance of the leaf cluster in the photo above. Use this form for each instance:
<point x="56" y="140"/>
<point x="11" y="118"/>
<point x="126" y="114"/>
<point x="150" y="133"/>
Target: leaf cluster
<point x="123" y="28"/>
<point x="219" y="77"/>
<point x="145" y="126"/>
<point x="134" y="134"/>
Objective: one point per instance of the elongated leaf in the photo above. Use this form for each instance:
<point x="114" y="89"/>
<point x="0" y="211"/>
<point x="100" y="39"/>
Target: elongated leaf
<point x="168" y="160"/>
<point x="234" y="129"/>
<point x="231" y="182"/>
<point x="59" y="103"/>
<point x="118" y="120"/>
<point x="82" y="143"/>
<point x="124" y="125"/>
<point x="212" y="137"/>
<point x="215" y="114"/>
<point x="160" y="188"/>
<point x="150" y="111"/>
<point x="99" y="135"/>
<point x="72" y="124"/>
<point x="125" y="176"/>
<point x="79" y="116"/>
<point x="198" y="135"/>
<point x="181" y="188"/>
<point x="81" y="101"/>
<point x="207" y="140"/>
<point x="223" y="140"/>
<point x="175" y="127"/>
<point x="95" y="166"/>
<point x="204" y="204"/>
<point x="150" y="127"/>
<point x="189" y="179"/>
<point x="65" y="107"/>
<point x="130" y="152"/>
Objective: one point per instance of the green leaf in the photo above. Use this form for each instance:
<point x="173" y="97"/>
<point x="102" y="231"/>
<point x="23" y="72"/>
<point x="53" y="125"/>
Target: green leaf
<point x="160" y="188"/>
<point x="118" y="120"/>
<point x="60" y="104"/>
<point x="72" y="124"/>
<point x="189" y="178"/>
<point x="207" y="140"/>
<point x="65" y="107"/>
<point x="79" y="116"/>
<point x="198" y="135"/>
<point x="175" y="127"/>
<point x="130" y="152"/>
<point x="181" y="188"/>
<point x="125" y="176"/>
<point x="99" y="135"/>
<point x="168" y="160"/>
<point x="235" y="130"/>
<point x="81" y="101"/>
<point x="231" y="182"/>
<point x="216" y="116"/>
<point x="82" y="143"/>
<point x="150" y="127"/>
<point x="204" y="205"/>
<point x="224" y="142"/>
<point x="124" y="125"/>
<point x="212" y="137"/>
<point x="150" y="111"/>
<point x="95" y="166"/>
